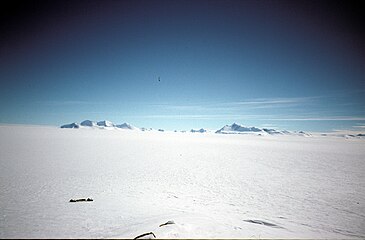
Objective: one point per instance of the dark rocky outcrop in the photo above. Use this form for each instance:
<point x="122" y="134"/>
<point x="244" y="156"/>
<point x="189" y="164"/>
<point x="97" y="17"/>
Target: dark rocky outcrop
<point x="167" y="223"/>
<point x="71" y="125"/>
<point x="82" y="200"/>
<point x="149" y="235"/>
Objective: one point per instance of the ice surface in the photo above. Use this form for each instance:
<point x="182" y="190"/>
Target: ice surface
<point x="210" y="185"/>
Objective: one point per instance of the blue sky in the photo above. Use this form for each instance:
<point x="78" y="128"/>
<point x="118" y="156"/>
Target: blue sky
<point x="285" y="64"/>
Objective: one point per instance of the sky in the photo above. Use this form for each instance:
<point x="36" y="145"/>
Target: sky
<point x="294" y="65"/>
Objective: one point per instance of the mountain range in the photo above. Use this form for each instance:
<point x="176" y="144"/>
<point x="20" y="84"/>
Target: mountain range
<point x="234" y="128"/>
<point x="227" y="129"/>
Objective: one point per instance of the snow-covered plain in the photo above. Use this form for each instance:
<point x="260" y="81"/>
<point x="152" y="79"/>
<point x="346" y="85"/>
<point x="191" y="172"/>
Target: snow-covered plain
<point x="210" y="185"/>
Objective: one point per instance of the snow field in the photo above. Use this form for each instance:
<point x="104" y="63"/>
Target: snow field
<point x="210" y="185"/>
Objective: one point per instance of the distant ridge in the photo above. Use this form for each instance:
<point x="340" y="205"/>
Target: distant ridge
<point x="100" y="124"/>
<point x="237" y="128"/>
<point x="71" y="125"/>
<point x="234" y="128"/>
<point x="202" y="130"/>
<point x="126" y="126"/>
<point x="88" y="123"/>
<point x="105" y="123"/>
<point x="240" y="129"/>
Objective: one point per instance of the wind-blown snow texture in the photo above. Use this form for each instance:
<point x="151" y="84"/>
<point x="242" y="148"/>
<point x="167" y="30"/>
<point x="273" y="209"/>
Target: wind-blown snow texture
<point x="210" y="185"/>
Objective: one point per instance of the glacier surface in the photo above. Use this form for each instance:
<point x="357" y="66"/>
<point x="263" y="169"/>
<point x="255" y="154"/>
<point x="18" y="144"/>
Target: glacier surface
<point x="209" y="185"/>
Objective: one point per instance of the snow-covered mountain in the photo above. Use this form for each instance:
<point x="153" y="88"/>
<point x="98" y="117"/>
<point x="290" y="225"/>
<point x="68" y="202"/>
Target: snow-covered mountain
<point x="126" y="126"/>
<point x="227" y="129"/>
<point x="105" y="123"/>
<point x="88" y="123"/>
<point x="237" y="128"/>
<point x="240" y="129"/>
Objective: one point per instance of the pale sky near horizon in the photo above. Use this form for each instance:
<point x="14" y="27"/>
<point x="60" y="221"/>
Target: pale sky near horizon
<point x="295" y="65"/>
